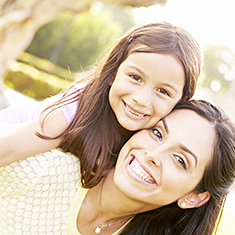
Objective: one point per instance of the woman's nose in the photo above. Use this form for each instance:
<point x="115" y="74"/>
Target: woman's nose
<point x="142" y="96"/>
<point x="153" y="158"/>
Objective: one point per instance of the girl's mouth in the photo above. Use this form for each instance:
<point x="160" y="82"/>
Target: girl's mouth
<point x="134" y="112"/>
<point x="141" y="172"/>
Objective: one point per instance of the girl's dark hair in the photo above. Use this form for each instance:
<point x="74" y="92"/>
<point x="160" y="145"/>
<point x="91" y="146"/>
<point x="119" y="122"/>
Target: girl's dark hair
<point x="217" y="179"/>
<point x="94" y="134"/>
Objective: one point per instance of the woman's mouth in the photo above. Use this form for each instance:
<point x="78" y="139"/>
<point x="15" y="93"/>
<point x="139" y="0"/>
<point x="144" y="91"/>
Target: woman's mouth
<point x="140" y="172"/>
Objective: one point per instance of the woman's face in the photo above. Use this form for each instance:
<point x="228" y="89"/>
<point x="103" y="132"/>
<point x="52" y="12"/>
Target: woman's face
<point x="146" y="88"/>
<point x="160" y="165"/>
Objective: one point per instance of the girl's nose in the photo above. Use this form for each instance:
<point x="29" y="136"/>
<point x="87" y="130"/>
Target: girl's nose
<point x="142" y="96"/>
<point x="153" y="158"/>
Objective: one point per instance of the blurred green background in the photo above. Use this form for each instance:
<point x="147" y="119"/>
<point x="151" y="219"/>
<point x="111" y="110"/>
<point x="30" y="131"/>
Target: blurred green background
<point x="66" y="47"/>
<point x="71" y="44"/>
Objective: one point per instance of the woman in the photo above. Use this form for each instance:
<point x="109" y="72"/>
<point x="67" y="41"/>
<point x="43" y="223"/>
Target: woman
<point x="169" y="179"/>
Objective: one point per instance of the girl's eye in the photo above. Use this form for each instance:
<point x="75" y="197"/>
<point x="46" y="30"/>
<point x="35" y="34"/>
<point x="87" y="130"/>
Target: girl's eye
<point x="181" y="161"/>
<point x="157" y="133"/>
<point x="135" y="77"/>
<point x="163" y="91"/>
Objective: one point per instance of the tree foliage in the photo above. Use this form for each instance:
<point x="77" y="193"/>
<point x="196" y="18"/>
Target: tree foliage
<point x="33" y="82"/>
<point x="219" y="67"/>
<point x="73" y="41"/>
<point x="76" y="41"/>
<point x="21" y="19"/>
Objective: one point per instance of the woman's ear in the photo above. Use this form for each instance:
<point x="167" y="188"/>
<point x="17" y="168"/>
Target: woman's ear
<point x="194" y="200"/>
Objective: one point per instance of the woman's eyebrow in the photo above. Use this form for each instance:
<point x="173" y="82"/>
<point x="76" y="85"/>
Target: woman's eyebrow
<point x="190" y="152"/>
<point x="165" y="125"/>
<point x="180" y="145"/>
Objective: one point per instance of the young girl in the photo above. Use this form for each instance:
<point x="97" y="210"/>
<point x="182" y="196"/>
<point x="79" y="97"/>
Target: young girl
<point x="145" y="75"/>
<point x="168" y="179"/>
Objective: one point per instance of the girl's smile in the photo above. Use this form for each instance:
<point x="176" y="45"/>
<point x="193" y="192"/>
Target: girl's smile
<point x="133" y="113"/>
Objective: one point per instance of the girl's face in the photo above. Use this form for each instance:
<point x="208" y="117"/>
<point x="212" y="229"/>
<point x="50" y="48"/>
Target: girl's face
<point x="160" y="165"/>
<point x="146" y="88"/>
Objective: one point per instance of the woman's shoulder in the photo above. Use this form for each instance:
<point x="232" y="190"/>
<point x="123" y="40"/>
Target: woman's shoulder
<point x="51" y="167"/>
<point x="36" y="193"/>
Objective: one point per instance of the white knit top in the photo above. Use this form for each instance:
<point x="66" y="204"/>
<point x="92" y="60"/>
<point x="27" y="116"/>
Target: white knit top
<point x="36" y="194"/>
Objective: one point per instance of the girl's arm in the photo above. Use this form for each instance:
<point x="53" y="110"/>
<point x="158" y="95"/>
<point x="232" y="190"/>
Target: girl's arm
<point x="18" y="141"/>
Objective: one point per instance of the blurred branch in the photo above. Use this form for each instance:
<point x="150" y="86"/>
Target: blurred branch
<point x="137" y="3"/>
<point x="19" y="21"/>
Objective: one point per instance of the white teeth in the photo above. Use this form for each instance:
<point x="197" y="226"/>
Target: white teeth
<point x="133" y="112"/>
<point x="138" y="171"/>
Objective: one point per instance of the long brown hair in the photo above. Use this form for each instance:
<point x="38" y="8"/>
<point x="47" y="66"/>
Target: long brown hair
<point x="218" y="177"/>
<point x="94" y="133"/>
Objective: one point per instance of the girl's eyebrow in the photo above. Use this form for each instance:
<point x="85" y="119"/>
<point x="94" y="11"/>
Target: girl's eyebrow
<point x="139" y="70"/>
<point x="183" y="147"/>
<point x="172" y="86"/>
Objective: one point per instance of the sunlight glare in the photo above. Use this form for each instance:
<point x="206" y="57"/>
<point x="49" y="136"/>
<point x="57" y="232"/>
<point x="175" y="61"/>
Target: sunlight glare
<point x="210" y="21"/>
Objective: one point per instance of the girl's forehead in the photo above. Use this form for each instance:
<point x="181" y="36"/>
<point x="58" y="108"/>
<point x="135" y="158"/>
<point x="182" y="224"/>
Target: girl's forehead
<point x="141" y="48"/>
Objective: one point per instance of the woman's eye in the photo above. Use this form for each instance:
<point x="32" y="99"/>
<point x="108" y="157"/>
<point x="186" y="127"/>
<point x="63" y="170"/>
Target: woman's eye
<point x="163" y="91"/>
<point x="135" y="77"/>
<point x="181" y="161"/>
<point x="157" y="133"/>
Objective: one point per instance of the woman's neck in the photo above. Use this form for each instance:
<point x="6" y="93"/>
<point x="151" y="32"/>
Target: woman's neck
<point x="114" y="204"/>
<point x="102" y="206"/>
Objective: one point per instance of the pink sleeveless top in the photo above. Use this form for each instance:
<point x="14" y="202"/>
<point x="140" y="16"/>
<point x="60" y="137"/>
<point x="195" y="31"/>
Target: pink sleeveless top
<point x="27" y="112"/>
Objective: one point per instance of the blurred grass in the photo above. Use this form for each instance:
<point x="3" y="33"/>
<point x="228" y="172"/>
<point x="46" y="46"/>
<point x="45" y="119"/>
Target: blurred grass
<point x="44" y="65"/>
<point x="36" y="78"/>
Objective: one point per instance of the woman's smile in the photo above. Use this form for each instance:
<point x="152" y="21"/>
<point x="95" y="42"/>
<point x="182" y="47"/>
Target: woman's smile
<point x="139" y="173"/>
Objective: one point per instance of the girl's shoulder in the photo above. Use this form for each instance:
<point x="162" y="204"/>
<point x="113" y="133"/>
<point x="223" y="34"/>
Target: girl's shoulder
<point x="75" y="87"/>
<point x="69" y="107"/>
<point x="26" y="112"/>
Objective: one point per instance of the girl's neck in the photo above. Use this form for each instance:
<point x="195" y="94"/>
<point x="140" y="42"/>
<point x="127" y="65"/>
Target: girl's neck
<point x="123" y="132"/>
